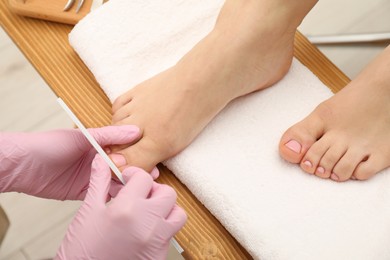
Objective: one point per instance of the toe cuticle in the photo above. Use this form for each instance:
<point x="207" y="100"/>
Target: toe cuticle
<point x="294" y="146"/>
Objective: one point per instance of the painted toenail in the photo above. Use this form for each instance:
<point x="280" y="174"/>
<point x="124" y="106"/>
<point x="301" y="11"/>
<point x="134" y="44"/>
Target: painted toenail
<point x="334" y="177"/>
<point x="320" y="170"/>
<point x="308" y="164"/>
<point x="294" y="146"/>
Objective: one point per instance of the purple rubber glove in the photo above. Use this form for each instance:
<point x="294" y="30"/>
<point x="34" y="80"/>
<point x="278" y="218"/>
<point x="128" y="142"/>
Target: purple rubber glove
<point x="56" y="164"/>
<point x="137" y="224"/>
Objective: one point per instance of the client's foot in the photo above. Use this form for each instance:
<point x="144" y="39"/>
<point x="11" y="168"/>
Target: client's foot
<point x="174" y="106"/>
<point x="347" y="136"/>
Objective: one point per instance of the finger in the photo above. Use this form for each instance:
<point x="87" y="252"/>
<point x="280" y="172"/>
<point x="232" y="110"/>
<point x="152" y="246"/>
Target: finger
<point x="138" y="185"/>
<point x="115" y="187"/>
<point x="164" y="197"/>
<point x="99" y="183"/>
<point x="111" y="135"/>
<point x="155" y="173"/>
<point x="175" y="221"/>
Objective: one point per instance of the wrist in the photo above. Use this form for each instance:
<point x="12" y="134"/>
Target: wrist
<point x="9" y="162"/>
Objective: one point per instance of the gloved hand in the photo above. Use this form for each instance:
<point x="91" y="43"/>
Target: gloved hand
<point x="137" y="224"/>
<point x="56" y="164"/>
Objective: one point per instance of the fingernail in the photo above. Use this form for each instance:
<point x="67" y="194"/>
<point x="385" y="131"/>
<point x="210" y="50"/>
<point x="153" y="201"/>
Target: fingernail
<point x="155" y="173"/>
<point x="130" y="171"/>
<point x="320" y="170"/>
<point x="334" y="177"/>
<point x="132" y="128"/>
<point x="118" y="159"/>
<point x="308" y="164"/>
<point x="294" y="146"/>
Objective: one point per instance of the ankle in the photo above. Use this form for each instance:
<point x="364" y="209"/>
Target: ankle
<point x="201" y="71"/>
<point x="376" y="73"/>
<point x="251" y="19"/>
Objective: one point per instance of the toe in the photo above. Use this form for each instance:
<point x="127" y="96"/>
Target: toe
<point x="330" y="159"/>
<point x="121" y="101"/>
<point x="299" y="138"/>
<point x="370" y="167"/>
<point x="322" y="172"/>
<point x="347" y="165"/>
<point x="143" y="154"/>
<point x="122" y="114"/>
<point x="311" y="160"/>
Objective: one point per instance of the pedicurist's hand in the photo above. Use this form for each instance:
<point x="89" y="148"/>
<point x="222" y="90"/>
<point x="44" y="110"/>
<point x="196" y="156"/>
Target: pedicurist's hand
<point x="137" y="224"/>
<point x="56" y="164"/>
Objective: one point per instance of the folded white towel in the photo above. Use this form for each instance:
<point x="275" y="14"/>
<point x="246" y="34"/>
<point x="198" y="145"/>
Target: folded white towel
<point x="271" y="207"/>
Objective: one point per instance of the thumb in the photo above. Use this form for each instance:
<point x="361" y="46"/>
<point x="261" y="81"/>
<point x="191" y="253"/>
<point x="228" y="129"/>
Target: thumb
<point x="111" y="135"/>
<point x="99" y="183"/>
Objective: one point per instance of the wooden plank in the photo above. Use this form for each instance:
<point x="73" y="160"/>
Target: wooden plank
<point x="46" y="46"/>
<point x="322" y="67"/>
<point x="50" y="10"/>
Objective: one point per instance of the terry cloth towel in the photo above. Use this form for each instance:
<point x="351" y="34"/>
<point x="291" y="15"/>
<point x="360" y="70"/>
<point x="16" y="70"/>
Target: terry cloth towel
<point x="270" y="206"/>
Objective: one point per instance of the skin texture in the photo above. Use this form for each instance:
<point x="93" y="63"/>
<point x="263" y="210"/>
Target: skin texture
<point x="348" y="135"/>
<point x="250" y="48"/>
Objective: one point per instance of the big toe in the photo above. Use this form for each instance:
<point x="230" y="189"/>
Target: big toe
<point x="299" y="138"/>
<point x="144" y="154"/>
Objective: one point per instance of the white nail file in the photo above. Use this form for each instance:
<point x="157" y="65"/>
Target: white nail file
<point x="99" y="149"/>
<point x="92" y="140"/>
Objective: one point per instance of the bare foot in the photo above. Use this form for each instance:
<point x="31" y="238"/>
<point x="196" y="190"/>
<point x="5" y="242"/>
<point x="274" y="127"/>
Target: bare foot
<point x="174" y="106"/>
<point x="347" y="136"/>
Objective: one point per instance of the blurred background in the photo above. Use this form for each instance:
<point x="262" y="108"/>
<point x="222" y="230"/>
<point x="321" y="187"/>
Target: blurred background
<point x="27" y="104"/>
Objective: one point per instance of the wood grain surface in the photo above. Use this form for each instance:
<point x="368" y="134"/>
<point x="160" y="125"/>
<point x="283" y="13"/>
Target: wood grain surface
<point x="50" y="10"/>
<point x="45" y="45"/>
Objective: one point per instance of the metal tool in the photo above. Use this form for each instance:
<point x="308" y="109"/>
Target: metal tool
<point x="70" y="3"/>
<point x="350" y="38"/>
<point x="105" y="157"/>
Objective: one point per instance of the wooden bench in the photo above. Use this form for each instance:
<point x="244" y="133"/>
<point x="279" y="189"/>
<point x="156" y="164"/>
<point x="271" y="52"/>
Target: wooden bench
<point x="45" y="44"/>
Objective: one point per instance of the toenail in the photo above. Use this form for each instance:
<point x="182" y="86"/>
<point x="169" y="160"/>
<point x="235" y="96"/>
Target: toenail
<point x="320" y="170"/>
<point x="118" y="159"/>
<point x="294" y="146"/>
<point x="334" y="177"/>
<point x="308" y="164"/>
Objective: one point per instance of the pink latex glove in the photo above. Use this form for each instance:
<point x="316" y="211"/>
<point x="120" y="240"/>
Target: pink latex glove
<point x="137" y="224"/>
<point x="56" y="164"/>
